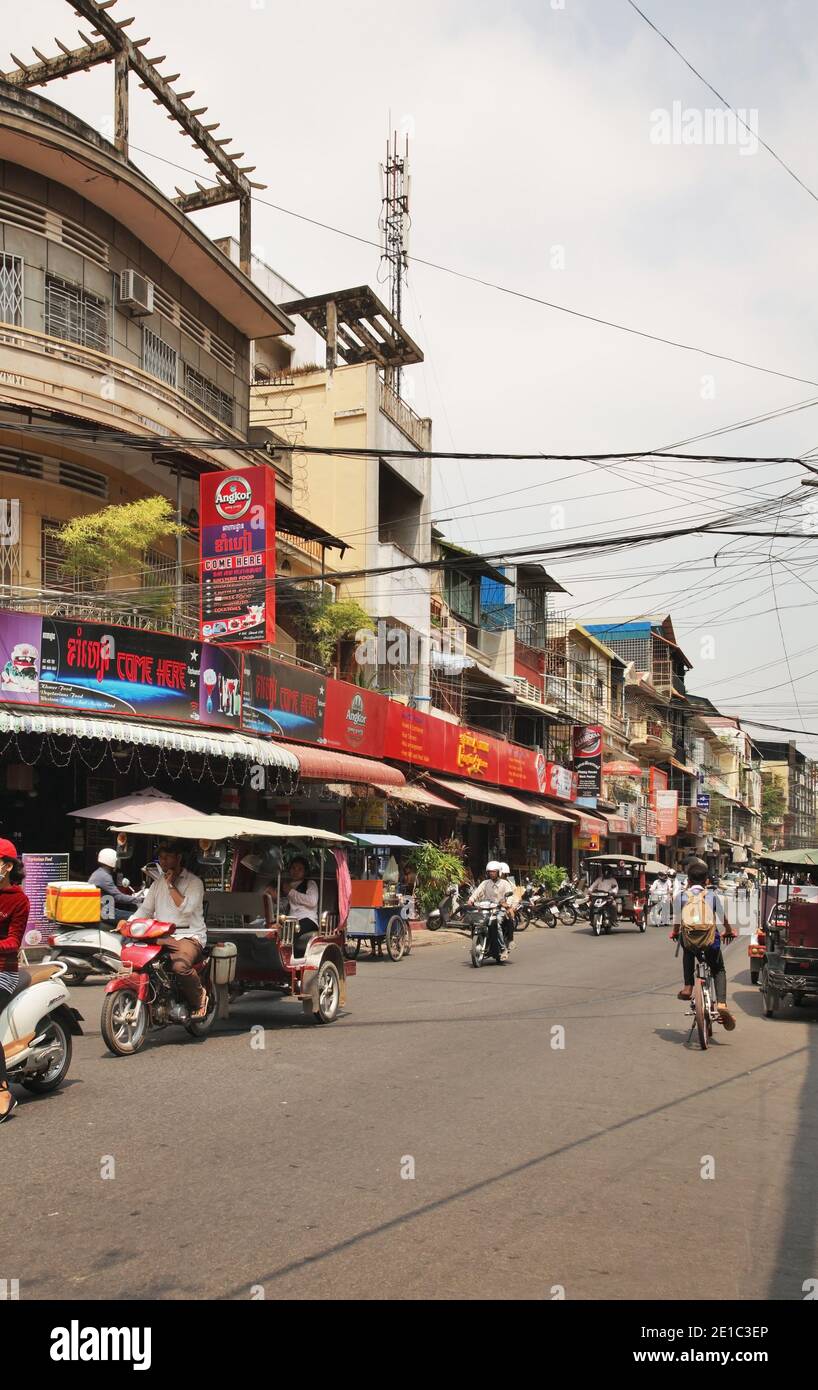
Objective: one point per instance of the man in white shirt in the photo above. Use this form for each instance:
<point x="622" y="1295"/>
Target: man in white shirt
<point x="177" y="896"/>
<point x="606" y="883"/>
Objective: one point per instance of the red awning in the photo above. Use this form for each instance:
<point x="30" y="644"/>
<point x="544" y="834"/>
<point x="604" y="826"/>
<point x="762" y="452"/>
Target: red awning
<point x="418" y="795"/>
<point x="325" y="765"/>
<point x="589" y="825"/>
<point x="474" y="791"/>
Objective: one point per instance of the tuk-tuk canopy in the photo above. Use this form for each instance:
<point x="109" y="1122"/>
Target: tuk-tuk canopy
<point x="617" y="859"/>
<point x="218" y="827"/>
<point x="790" y="858"/>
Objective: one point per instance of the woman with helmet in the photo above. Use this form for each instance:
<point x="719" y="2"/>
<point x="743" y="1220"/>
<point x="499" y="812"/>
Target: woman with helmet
<point x="14" y="909"/>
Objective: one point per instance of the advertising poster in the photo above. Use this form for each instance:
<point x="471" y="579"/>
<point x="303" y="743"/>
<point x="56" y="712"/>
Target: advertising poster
<point x="587" y="747"/>
<point x="20" y="641"/>
<point x="41" y="869"/>
<point x="524" y="768"/>
<point x="473" y="754"/>
<point x="355" y="719"/>
<point x="657" y="782"/>
<point x="667" y="813"/>
<point x="237" y="556"/>
<point x="119" y="670"/>
<point x="414" y="737"/>
<point x="286" y="701"/>
<point x="561" y="782"/>
<point x="220" y="687"/>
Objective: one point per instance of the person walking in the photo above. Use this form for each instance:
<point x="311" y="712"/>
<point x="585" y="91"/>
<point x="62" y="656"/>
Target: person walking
<point x="14" y="910"/>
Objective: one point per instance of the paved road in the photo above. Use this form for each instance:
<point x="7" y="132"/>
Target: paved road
<point x="534" y="1166"/>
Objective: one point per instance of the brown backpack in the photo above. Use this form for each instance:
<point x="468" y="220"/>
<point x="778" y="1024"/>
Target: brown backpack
<point x="698" y="922"/>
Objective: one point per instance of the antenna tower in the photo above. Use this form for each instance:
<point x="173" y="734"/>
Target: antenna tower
<point x="394" y="225"/>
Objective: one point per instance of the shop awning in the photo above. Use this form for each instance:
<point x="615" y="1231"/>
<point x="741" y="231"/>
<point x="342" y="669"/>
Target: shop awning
<point x="219" y="827"/>
<point x="618" y="825"/>
<point x="589" y="825"/>
<point x="546" y="812"/>
<point x="414" y="794"/>
<point x="683" y="767"/>
<point x="141" y="806"/>
<point x="327" y="765"/>
<point x="492" y="797"/>
<point x="183" y="740"/>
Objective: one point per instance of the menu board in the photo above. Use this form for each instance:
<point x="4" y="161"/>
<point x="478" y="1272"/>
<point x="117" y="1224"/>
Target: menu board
<point x="41" y="869"/>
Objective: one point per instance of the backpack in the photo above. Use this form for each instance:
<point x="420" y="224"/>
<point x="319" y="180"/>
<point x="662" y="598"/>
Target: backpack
<point x="698" y="922"/>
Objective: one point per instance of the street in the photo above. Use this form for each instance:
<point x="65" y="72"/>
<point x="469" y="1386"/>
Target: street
<point x="538" y="1168"/>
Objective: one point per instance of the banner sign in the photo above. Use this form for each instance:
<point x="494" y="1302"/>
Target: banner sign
<point x="286" y="701"/>
<point x="587" y="745"/>
<point x="354" y="719"/>
<point x="20" y="652"/>
<point x="561" y="782"/>
<point x="667" y="813"/>
<point x="237" y="556"/>
<point x="119" y="670"/>
<point x="41" y="869"/>
<point x="657" y="782"/>
<point x="414" y="737"/>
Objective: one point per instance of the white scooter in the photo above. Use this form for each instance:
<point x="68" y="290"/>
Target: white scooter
<point x="36" y="1028"/>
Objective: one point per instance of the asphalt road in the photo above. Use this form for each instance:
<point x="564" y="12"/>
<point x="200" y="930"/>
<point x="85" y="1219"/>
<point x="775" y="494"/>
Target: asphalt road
<point x="536" y="1167"/>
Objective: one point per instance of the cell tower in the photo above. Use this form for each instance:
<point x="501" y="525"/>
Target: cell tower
<point x="394" y="225"/>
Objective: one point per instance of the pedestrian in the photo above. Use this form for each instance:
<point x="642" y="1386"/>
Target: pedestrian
<point x="14" y="910"/>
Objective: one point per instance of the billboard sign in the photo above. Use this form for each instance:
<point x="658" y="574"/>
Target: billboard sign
<point x="285" y="701"/>
<point x="237" y="556"/>
<point x="587" y="746"/>
<point x="105" y="669"/>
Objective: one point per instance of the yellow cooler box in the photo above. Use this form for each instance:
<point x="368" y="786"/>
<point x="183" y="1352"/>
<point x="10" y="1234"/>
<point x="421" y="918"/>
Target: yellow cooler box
<point x="72" y="903"/>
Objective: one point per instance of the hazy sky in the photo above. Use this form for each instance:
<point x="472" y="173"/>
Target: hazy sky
<point x="533" y="167"/>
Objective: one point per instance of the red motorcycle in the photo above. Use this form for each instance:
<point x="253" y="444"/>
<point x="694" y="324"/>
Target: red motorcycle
<point x="149" y="997"/>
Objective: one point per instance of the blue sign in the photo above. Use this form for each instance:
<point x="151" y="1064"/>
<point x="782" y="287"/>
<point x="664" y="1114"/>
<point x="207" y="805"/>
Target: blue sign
<point x="703" y="801"/>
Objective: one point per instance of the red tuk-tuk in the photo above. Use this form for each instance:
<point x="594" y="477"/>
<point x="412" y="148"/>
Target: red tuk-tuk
<point x="788" y="915"/>
<point x="269" y="953"/>
<point x="629" y="904"/>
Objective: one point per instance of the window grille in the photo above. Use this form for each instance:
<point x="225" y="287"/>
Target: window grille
<point x="11" y="289"/>
<point x="75" y="314"/>
<point x="159" y="358"/>
<point x="207" y="395"/>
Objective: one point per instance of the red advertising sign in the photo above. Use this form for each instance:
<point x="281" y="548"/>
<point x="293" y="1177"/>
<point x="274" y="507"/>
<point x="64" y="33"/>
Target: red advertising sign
<point x="413" y="737"/>
<point x="355" y="719"/>
<point x="472" y="753"/>
<point x="237" y="556"/>
<point x="525" y="768"/>
<point x="657" y="782"/>
<point x="561" y="782"/>
<point x="667" y="813"/>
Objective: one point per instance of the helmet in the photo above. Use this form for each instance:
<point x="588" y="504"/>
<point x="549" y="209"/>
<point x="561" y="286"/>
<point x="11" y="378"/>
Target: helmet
<point x="504" y="869"/>
<point x="494" y="866"/>
<point x="108" y="857"/>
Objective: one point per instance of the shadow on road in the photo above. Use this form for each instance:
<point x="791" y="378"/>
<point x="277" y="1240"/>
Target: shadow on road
<point x="797" y="1252"/>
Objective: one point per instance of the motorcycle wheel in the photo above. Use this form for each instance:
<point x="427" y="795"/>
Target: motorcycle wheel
<point x="327" y="993"/>
<point x="123" y="1022"/>
<point x="568" y="915"/>
<point x="434" y="921"/>
<point x="54" y="1076"/>
<point x="478" y="949"/>
<point x="641" y="923"/>
<point x="596" y="924"/>
<point x="521" y="921"/>
<point x="200" y="1027"/>
<point x="770" y="996"/>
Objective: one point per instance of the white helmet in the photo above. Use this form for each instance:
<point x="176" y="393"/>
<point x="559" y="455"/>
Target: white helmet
<point x="108" y="857"/>
<point x="504" y="869"/>
<point x="494" y="866"/>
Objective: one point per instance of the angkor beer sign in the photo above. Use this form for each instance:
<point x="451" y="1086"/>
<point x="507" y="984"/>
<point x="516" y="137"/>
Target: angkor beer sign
<point x="588" y="758"/>
<point x="237" y="556"/>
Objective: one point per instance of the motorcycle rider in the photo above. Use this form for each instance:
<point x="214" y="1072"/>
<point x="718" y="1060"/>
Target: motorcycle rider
<point x="103" y="878"/>
<point x="14" y="910"/>
<point x="493" y="889"/>
<point x="661" y="893"/>
<point x="697" y="876"/>
<point x="177" y="896"/>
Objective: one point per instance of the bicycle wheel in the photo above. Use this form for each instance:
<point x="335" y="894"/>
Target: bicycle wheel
<point x="702" y="1013"/>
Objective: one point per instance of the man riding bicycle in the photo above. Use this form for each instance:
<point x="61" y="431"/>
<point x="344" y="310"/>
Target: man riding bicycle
<point x="698" y="912"/>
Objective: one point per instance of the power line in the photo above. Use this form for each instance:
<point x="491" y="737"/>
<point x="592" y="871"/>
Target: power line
<point x="777" y="157"/>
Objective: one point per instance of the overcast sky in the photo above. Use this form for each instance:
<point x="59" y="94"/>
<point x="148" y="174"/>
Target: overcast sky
<point x="533" y="167"/>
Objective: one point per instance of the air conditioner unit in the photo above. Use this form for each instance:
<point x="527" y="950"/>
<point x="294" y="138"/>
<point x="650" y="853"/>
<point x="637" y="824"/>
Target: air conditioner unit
<point x="135" y="292"/>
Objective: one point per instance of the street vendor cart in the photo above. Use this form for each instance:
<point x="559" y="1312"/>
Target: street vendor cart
<point x="788" y="928"/>
<point x="253" y="944"/>
<point x="379" y="911"/>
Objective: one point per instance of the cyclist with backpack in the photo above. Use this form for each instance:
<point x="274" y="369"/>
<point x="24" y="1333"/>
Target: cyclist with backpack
<point x="698" y="915"/>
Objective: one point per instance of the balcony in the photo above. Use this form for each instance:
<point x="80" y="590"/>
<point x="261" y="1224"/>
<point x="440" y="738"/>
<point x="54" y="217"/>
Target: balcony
<point x="418" y="431"/>
<point x="650" y="737"/>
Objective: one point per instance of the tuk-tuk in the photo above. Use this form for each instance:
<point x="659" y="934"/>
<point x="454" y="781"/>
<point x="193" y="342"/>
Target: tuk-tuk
<point x="254" y="945"/>
<point x="379" y="911"/>
<point x="631" y="896"/>
<point x="788" y="919"/>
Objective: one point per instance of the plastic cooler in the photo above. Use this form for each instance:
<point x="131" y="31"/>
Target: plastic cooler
<point x="73" y="904"/>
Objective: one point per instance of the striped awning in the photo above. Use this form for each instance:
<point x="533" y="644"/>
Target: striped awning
<point x="326" y="765"/>
<point x="415" y="794"/>
<point x="215" y="743"/>
<point x="492" y="796"/>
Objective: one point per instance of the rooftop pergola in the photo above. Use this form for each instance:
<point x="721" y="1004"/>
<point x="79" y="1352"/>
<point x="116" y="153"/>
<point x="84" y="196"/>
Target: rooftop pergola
<point x="109" y="43"/>
<point x="357" y="327"/>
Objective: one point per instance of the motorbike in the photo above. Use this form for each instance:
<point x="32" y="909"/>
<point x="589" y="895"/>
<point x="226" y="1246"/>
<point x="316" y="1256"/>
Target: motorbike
<point x="490" y="926"/>
<point x="146" y="995"/>
<point x="535" y="906"/>
<point x="36" y="1028"/>
<point x="603" y="913"/>
<point x="450" y="907"/>
<point x="94" y="948"/>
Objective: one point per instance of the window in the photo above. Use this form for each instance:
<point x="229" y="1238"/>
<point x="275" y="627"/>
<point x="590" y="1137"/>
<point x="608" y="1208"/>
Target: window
<point x="208" y="395"/>
<point x="460" y="595"/>
<point x="73" y="313"/>
<point x="52" y="555"/>
<point x="11" y="289"/>
<point x="158" y="357"/>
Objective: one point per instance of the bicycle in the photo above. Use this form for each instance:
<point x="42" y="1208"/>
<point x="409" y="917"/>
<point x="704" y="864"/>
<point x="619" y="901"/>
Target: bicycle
<point x="703" y="1003"/>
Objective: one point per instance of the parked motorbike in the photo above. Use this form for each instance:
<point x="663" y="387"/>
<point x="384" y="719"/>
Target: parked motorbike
<point x="147" y="995"/>
<point x="94" y="948"/>
<point x="535" y="906"/>
<point x="445" y="910"/>
<point x="36" y="1028"/>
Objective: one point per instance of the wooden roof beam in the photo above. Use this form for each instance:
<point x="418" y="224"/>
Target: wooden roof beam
<point x="61" y="65"/>
<point x="206" y="198"/>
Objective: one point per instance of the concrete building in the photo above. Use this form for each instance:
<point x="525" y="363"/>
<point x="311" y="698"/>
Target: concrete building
<point x="785" y="766"/>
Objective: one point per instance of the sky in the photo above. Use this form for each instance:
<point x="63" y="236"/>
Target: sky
<point x="537" y="165"/>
